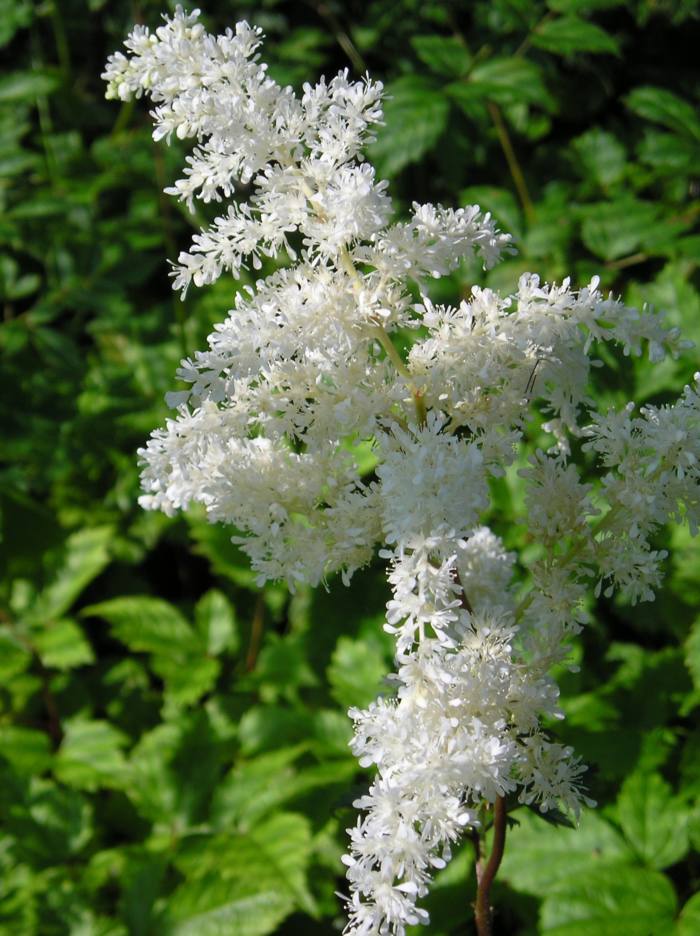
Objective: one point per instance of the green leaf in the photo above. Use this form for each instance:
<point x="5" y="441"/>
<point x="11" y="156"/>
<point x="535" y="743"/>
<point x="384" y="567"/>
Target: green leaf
<point x="282" y="668"/>
<point x="90" y="756"/>
<point x="602" y="155"/>
<point x="688" y="923"/>
<point x="27" y="750"/>
<point x="141" y="880"/>
<point x="415" y="115"/>
<point x="612" y="230"/>
<point x="14" y="15"/>
<point x="216" y="622"/>
<point x="264" y="869"/>
<point x="265" y="727"/>
<point x="654" y="821"/>
<point x="569" y="35"/>
<point x="668" y="153"/>
<point x="173" y="770"/>
<point x="692" y="652"/>
<point x="50" y="823"/>
<point x="356" y="672"/>
<point x="632" y="901"/>
<point x="145" y="624"/>
<point x="187" y="680"/>
<point x="583" y="6"/>
<point x="501" y="203"/>
<point x="150" y="625"/>
<point x="540" y="856"/>
<point x="211" y="907"/>
<point x="213" y="541"/>
<point x="85" y="555"/>
<point x="63" y="645"/>
<point x="15" y="656"/>
<point x="506" y="81"/>
<point x="26" y="86"/>
<point x="255" y="788"/>
<point x="444" y="55"/>
<point x="665" y="108"/>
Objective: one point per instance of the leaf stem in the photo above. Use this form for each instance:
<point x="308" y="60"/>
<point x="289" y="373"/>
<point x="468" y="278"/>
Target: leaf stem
<point x="485" y="875"/>
<point x="512" y="160"/>
<point x="256" y="633"/>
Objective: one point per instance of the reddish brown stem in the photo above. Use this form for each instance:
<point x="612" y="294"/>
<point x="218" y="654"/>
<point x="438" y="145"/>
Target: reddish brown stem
<point x="485" y="876"/>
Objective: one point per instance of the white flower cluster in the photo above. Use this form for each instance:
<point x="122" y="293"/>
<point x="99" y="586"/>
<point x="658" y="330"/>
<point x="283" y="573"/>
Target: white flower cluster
<point x="303" y="380"/>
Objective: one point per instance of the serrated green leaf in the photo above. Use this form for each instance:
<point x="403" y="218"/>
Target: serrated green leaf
<point x="271" y="858"/>
<point x="152" y="785"/>
<point x="632" y="901"/>
<point x="216" y="622"/>
<point x="415" y="115"/>
<point x="692" y="652"/>
<point x="507" y="81"/>
<point x="583" y="6"/>
<point x="499" y="202"/>
<point x="612" y="230"/>
<point x="145" y="624"/>
<point x="255" y="788"/>
<point x="568" y="35"/>
<point x="27" y="750"/>
<point x="276" y="849"/>
<point x="50" y="823"/>
<point x="214" y="543"/>
<point x="264" y="727"/>
<point x="666" y="108"/>
<point x="444" y="55"/>
<point x="688" y="923"/>
<point x="356" y="672"/>
<point x="602" y="155"/>
<point x="174" y="768"/>
<point x="90" y="756"/>
<point x="27" y="85"/>
<point x="654" y="821"/>
<point x="211" y="907"/>
<point x="141" y="880"/>
<point x="540" y="856"/>
<point x="186" y="679"/>
<point x="14" y="15"/>
<point x="85" y="555"/>
<point x="282" y="668"/>
<point x="178" y="653"/>
<point x="62" y="645"/>
<point x="15" y="656"/>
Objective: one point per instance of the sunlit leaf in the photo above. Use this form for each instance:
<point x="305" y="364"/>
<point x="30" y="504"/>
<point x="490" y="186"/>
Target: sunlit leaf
<point x="91" y="755"/>
<point x="444" y="55"/>
<point x="654" y="821"/>
<point x="415" y="114"/>
<point x="569" y="35"/>
<point x="628" y="900"/>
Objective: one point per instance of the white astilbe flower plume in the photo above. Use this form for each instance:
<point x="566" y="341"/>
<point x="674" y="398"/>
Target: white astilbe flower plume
<point x="302" y="386"/>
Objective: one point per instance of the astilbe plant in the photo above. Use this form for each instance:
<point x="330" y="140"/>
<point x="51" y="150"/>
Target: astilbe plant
<point x="304" y="374"/>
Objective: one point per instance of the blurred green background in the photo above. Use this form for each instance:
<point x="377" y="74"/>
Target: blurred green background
<point x="173" y="741"/>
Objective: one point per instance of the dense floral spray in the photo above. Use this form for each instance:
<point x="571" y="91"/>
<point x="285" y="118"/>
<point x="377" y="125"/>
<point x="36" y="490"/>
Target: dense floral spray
<point x="304" y="375"/>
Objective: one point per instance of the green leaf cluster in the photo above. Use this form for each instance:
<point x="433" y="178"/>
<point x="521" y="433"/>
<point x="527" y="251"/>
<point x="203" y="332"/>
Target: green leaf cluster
<point x="173" y="740"/>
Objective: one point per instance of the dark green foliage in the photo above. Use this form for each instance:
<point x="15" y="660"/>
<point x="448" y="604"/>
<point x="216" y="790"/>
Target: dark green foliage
<point x="173" y="741"/>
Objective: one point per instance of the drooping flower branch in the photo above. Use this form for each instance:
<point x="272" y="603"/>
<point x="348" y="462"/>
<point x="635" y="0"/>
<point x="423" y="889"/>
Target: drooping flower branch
<point x="303" y="375"/>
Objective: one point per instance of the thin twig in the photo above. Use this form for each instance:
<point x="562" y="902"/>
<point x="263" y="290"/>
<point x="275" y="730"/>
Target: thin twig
<point x="341" y="36"/>
<point x="256" y="633"/>
<point x="527" y="41"/>
<point x="512" y="160"/>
